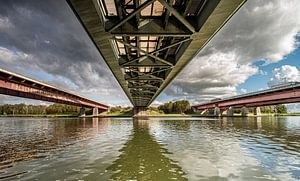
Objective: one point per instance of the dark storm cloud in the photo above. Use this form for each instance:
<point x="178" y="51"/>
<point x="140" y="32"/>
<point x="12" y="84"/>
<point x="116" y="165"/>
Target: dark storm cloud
<point x="46" y="36"/>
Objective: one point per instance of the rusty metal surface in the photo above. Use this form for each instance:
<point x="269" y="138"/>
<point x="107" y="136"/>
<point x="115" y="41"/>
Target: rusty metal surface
<point x="17" y="85"/>
<point x="262" y="98"/>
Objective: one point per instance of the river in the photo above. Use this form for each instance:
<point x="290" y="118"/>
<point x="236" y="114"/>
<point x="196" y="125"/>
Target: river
<point x="266" y="148"/>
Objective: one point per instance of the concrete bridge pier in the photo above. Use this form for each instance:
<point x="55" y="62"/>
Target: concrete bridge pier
<point x="230" y="111"/>
<point x="204" y="111"/>
<point x="257" y="111"/>
<point x="244" y="111"/>
<point x="217" y="111"/>
<point x="140" y="111"/>
<point x="224" y="112"/>
<point x="82" y="112"/>
<point x="95" y="111"/>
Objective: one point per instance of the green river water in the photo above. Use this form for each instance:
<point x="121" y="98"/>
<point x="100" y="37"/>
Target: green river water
<point x="266" y="148"/>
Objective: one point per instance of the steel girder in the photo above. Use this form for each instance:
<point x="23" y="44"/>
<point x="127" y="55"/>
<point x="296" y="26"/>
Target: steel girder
<point x="147" y="43"/>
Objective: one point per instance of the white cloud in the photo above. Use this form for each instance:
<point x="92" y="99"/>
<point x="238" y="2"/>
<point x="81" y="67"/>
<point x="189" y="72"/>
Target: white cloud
<point x="263" y="73"/>
<point x="9" y="56"/>
<point x="243" y="91"/>
<point x="262" y="30"/>
<point x="284" y="74"/>
<point x="156" y="103"/>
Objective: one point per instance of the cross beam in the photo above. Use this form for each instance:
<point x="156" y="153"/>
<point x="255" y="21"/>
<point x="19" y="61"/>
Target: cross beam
<point x="134" y="37"/>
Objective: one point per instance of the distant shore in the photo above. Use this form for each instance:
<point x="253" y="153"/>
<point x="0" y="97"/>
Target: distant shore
<point x="40" y="115"/>
<point x="130" y="115"/>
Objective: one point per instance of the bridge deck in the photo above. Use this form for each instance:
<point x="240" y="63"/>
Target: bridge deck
<point x="277" y="95"/>
<point x="146" y="43"/>
<point x="21" y="86"/>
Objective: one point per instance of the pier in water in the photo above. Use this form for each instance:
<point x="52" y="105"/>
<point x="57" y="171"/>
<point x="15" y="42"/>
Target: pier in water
<point x="266" y="148"/>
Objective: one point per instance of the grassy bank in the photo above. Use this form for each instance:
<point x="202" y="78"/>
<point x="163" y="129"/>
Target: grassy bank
<point x="40" y="115"/>
<point x="129" y="114"/>
<point x="157" y="114"/>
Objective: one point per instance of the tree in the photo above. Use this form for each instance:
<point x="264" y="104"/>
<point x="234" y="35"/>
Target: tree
<point x="281" y="108"/>
<point x="180" y="107"/>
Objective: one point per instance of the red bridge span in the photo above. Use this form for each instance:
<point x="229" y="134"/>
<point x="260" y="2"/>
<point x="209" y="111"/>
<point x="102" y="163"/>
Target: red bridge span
<point x="278" y="95"/>
<point x="20" y="86"/>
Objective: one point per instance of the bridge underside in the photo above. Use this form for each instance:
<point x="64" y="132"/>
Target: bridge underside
<point x="146" y="43"/>
<point x="285" y="95"/>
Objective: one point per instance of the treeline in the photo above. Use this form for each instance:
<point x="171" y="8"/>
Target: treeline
<point x="119" y="109"/>
<point x="179" y="107"/>
<point x="280" y="108"/>
<point x="37" y="109"/>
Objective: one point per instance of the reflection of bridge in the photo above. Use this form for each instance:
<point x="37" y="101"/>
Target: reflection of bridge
<point x="146" y="43"/>
<point x="17" y="85"/>
<point x="278" y="95"/>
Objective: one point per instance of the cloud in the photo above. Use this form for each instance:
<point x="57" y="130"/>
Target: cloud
<point x="243" y="91"/>
<point x="46" y="37"/>
<point x="262" y="30"/>
<point x="284" y="74"/>
<point x="10" y="56"/>
<point x="156" y="103"/>
<point x="4" y="23"/>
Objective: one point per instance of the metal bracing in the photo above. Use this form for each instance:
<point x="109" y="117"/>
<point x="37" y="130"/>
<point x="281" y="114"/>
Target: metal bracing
<point x="178" y="15"/>
<point x="156" y="51"/>
<point x="135" y="12"/>
<point x="157" y="65"/>
<point x="144" y="52"/>
<point x="144" y="42"/>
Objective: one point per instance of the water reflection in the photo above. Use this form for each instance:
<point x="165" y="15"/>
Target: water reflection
<point x="266" y="148"/>
<point x="142" y="158"/>
<point x="234" y="148"/>
<point x="35" y="139"/>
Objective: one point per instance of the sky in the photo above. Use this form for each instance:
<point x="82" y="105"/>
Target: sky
<point x="258" y="47"/>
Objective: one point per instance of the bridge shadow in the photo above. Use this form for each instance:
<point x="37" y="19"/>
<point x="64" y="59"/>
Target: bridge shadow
<point x="142" y="158"/>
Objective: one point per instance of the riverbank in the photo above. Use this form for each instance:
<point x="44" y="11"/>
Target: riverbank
<point x="127" y="114"/>
<point x="41" y="115"/>
<point x="156" y="114"/>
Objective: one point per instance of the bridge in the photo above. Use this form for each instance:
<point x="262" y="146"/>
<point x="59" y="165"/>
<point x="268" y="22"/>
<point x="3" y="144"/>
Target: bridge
<point x="283" y="94"/>
<point x="146" y="43"/>
<point x="17" y="85"/>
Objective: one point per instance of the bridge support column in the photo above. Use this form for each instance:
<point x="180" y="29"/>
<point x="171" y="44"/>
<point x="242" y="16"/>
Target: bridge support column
<point x="257" y="111"/>
<point x="230" y="112"/>
<point x="82" y="112"/>
<point x="224" y="112"/>
<point x="95" y="111"/>
<point x="217" y="111"/>
<point x="244" y="111"/>
<point x="140" y="111"/>
<point x="204" y="111"/>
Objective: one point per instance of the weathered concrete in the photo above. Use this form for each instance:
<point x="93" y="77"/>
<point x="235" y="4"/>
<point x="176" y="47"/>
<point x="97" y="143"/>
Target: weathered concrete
<point x="82" y="112"/>
<point x="230" y="111"/>
<point x="95" y="111"/>
<point x="217" y="111"/>
<point x="244" y="111"/>
<point x="257" y="111"/>
<point x="204" y="111"/>
<point x="140" y="111"/>
<point x="224" y="112"/>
